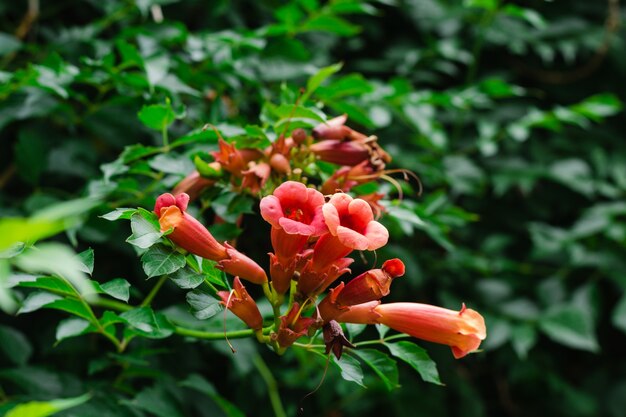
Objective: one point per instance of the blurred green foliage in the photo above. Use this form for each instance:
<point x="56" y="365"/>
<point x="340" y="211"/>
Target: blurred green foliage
<point x="508" y="112"/>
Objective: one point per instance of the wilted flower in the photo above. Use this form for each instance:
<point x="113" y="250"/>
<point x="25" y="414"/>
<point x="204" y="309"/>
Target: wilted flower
<point x="255" y="177"/>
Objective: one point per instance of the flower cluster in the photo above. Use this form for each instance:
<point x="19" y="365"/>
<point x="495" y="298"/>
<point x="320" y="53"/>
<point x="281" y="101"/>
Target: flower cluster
<point x="360" y="158"/>
<point x="312" y="236"/>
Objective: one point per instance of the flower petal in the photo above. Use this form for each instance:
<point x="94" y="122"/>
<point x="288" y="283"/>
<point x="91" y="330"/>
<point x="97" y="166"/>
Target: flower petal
<point x="271" y="210"/>
<point x="377" y="235"/>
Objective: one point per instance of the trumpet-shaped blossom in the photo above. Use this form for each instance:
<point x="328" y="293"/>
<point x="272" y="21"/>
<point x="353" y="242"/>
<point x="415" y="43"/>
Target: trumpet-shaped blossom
<point x="352" y="222"/>
<point x="295" y="209"/>
<point x="333" y="129"/>
<point x="295" y="213"/>
<point x="341" y="152"/>
<point x="352" y="227"/>
<point x="192" y="185"/>
<point x="462" y="330"/>
<point x="187" y="232"/>
<point x="191" y="235"/>
<point x="242" y="305"/>
<point x="371" y="285"/>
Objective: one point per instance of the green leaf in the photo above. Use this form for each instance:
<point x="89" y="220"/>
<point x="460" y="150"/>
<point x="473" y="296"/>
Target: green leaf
<point x="382" y="330"/>
<point x="117" y="288"/>
<point x="418" y="358"/>
<point x="15" y="346"/>
<point x="382" y="364"/>
<point x="187" y="278"/>
<point x="599" y="106"/>
<point x="159" y="260"/>
<point x="203" y="305"/>
<point x="523" y="338"/>
<point x="8" y="44"/>
<point x="87" y="259"/>
<point x="569" y="326"/>
<point x="157" y="116"/>
<point x="71" y="327"/>
<point x="30" y="155"/>
<point x="199" y="383"/>
<point x="37" y="300"/>
<point x="46" y="408"/>
<point x="147" y="323"/>
<point x="332" y="24"/>
<point x="156" y="401"/>
<point x="318" y="78"/>
<point x="145" y="234"/>
<point x="71" y="306"/>
<point x="119" y="213"/>
<point x="55" y="259"/>
<point x="350" y="369"/>
<point x="355" y="329"/>
<point x="54" y="284"/>
<point x="618" y="318"/>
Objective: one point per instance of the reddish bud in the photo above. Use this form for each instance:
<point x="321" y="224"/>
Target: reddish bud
<point x="242" y="305"/>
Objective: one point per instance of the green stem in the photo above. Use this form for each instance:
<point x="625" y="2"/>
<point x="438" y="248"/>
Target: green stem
<point x="272" y="386"/>
<point x="166" y="142"/>
<point x="359" y="344"/>
<point x="154" y="291"/>
<point x="201" y="334"/>
<point x="112" y="304"/>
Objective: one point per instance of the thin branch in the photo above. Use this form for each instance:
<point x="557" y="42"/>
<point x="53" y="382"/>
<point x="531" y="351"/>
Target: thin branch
<point x="272" y="386"/>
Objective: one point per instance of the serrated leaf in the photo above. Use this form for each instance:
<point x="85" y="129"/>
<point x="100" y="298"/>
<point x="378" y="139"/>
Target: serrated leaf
<point x="203" y="305"/>
<point x="15" y="346"/>
<point x="523" y="338"/>
<point x="144" y="232"/>
<point x="71" y="327"/>
<point x="382" y="364"/>
<point x="332" y="24"/>
<point x="147" y="323"/>
<point x="186" y="278"/>
<point x="119" y="213"/>
<point x="46" y="408"/>
<point x="159" y="260"/>
<point x="318" y="78"/>
<point x="199" y="383"/>
<point x="618" y="318"/>
<point x="355" y="329"/>
<point x="382" y="330"/>
<point x="71" y="306"/>
<point x="156" y="401"/>
<point x="57" y="259"/>
<point x="569" y="326"/>
<point x="350" y="369"/>
<point x="54" y="284"/>
<point x="212" y="274"/>
<point x="117" y="288"/>
<point x="157" y="116"/>
<point x="418" y="358"/>
<point x="87" y="259"/>
<point x="37" y="300"/>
